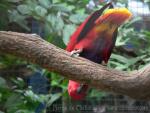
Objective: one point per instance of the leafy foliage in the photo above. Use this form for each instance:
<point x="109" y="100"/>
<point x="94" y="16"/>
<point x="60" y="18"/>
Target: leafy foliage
<point x="128" y="39"/>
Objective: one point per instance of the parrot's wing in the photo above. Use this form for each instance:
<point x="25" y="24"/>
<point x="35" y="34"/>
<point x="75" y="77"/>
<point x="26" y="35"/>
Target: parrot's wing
<point x="85" y="27"/>
<point x="91" y="21"/>
<point x="112" y="44"/>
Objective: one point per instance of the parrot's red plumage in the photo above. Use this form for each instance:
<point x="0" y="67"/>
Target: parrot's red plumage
<point x="96" y="38"/>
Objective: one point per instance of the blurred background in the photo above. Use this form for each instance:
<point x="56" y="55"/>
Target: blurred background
<point x="27" y="88"/>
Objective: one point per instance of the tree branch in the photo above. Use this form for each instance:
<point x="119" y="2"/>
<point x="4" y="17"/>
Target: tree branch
<point x="30" y="47"/>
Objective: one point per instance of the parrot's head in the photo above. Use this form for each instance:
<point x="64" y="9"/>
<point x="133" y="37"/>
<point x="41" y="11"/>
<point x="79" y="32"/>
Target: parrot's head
<point x="113" y="18"/>
<point x="76" y="91"/>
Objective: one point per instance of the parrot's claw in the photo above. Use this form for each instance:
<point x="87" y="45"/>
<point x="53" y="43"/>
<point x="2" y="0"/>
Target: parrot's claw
<point x="103" y="63"/>
<point x="76" y="53"/>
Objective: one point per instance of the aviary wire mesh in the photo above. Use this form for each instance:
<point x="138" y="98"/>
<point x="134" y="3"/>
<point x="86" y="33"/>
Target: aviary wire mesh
<point x="140" y="8"/>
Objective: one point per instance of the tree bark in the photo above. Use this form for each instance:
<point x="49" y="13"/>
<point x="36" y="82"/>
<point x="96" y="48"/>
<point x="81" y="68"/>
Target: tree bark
<point x="32" y="48"/>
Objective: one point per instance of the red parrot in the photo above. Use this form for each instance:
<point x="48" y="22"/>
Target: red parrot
<point x="94" y="39"/>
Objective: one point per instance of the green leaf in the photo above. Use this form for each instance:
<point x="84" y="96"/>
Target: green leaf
<point x="56" y="22"/>
<point x="1" y="112"/>
<point x="147" y="59"/>
<point x="3" y="83"/>
<point x="120" y="62"/>
<point x="96" y="93"/>
<point x="119" y="58"/>
<point x="51" y="19"/>
<point x="77" y="18"/>
<point x="45" y="3"/>
<point x="24" y="111"/>
<point x="13" y="101"/>
<point x="19" y="82"/>
<point x="131" y="22"/>
<point x="14" y="16"/>
<point x="56" y="1"/>
<point x="59" y="24"/>
<point x="31" y="96"/>
<point x="80" y="11"/>
<point x="134" y="60"/>
<point x="31" y="4"/>
<point x="71" y="7"/>
<point x="120" y="42"/>
<point x="55" y="79"/>
<point x="14" y="1"/>
<point x="24" y="9"/>
<point x="147" y="33"/>
<point x="117" y="65"/>
<point x="53" y="98"/>
<point x="41" y="11"/>
<point x="67" y="32"/>
<point x="63" y="7"/>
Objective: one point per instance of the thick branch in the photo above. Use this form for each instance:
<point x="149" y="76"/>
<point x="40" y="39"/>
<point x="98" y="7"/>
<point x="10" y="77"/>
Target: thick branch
<point x="34" y="49"/>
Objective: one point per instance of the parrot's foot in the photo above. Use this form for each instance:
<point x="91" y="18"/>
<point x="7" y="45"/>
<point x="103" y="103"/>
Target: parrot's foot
<point x="76" y="53"/>
<point x="103" y="63"/>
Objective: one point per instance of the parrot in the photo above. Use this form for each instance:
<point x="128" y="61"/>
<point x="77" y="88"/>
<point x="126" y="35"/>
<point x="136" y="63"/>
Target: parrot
<point x="94" y="40"/>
